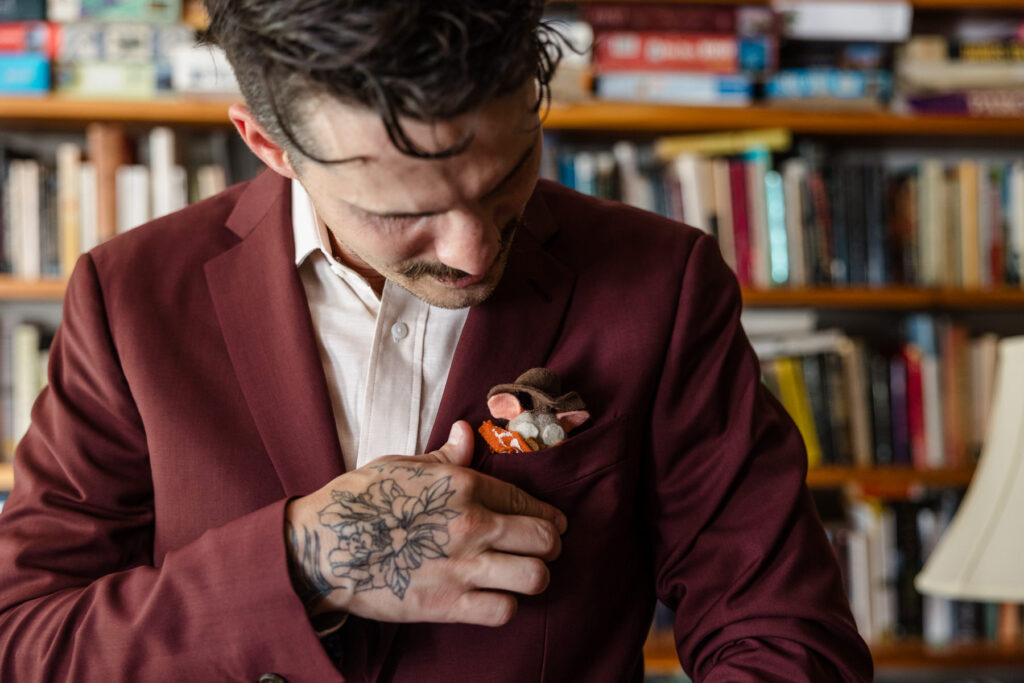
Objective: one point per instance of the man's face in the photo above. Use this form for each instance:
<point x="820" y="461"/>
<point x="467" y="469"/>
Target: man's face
<point x="439" y="228"/>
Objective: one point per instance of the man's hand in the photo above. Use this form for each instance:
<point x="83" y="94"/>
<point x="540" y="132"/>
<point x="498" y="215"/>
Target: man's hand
<point x="421" y="538"/>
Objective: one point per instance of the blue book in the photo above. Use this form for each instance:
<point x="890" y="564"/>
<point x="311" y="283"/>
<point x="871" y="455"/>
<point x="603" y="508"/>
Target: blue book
<point x="676" y="87"/>
<point x="24" y="74"/>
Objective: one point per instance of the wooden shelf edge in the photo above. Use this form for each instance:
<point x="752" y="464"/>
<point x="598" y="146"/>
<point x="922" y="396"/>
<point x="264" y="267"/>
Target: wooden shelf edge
<point x="660" y="655"/>
<point x="887" y="478"/>
<point x="586" y="116"/>
<point x="12" y="288"/>
<point x="883" y="298"/>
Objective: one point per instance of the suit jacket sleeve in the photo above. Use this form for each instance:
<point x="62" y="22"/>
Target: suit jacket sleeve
<point x="80" y="597"/>
<point x="740" y="552"/>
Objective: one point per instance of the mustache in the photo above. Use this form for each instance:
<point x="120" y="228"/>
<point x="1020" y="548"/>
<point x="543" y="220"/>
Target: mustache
<point x="420" y="269"/>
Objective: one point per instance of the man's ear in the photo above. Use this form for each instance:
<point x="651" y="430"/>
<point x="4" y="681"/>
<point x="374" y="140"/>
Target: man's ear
<point x="259" y="141"/>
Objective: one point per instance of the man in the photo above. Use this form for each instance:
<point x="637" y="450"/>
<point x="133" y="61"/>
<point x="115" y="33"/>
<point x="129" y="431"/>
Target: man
<point x="220" y="482"/>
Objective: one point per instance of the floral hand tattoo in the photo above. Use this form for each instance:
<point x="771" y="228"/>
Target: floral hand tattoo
<point x="384" y="534"/>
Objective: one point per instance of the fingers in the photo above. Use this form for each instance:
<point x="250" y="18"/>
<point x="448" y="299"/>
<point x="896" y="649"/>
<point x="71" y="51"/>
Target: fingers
<point x="504" y="572"/>
<point x="483" y="608"/>
<point x="504" y="498"/>
<point x="526" y="536"/>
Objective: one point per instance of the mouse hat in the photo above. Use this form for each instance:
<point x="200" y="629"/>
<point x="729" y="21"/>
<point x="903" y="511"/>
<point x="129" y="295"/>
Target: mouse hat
<point x="544" y="389"/>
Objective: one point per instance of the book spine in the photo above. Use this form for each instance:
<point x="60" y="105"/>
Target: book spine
<point x="676" y="87"/>
<point x="668" y="51"/>
<point x="27" y="74"/>
<point x="740" y="221"/>
<point x="660" y="17"/>
<point x="28" y="37"/>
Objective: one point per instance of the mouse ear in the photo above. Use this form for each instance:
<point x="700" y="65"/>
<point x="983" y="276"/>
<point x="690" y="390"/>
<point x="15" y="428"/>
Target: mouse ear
<point x="504" y="406"/>
<point x="572" y="419"/>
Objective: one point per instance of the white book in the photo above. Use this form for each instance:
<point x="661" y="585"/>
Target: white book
<point x="636" y="188"/>
<point x="63" y="10"/>
<point x="878" y="21"/>
<point x="69" y="205"/>
<point x="858" y="579"/>
<point x="810" y="344"/>
<point x="161" y="164"/>
<point x="211" y="179"/>
<point x="794" y="182"/>
<point x="937" y="613"/>
<point x="89" y="217"/>
<point x="132" y="187"/>
<point x="986" y="230"/>
<point x="585" y="169"/>
<point x="26" y="238"/>
<point x="691" y="171"/>
<point x="25" y="376"/>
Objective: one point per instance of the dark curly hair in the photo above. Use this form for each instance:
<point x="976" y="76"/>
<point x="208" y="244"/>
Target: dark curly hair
<point x="424" y="59"/>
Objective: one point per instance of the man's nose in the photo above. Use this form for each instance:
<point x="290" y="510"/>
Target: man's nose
<point x="468" y="241"/>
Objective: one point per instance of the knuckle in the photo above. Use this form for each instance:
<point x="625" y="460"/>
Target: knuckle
<point x="517" y="501"/>
<point x="536" y="577"/>
<point x="548" y="535"/>
<point x="505" y="607"/>
<point x="472" y="521"/>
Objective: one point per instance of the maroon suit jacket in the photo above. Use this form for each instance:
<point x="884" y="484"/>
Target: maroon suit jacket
<point x="186" y="403"/>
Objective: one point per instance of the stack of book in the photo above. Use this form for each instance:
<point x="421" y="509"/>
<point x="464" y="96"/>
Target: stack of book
<point x="26" y="51"/>
<point x="684" y="54"/>
<point x="809" y="218"/>
<point x="922" y="402"/>
<point x="24" y="353"/>
<point x="837" y="55"/>
<point x="974" y="67"/>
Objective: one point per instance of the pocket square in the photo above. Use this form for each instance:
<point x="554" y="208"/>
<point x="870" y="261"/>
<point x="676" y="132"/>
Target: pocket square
<point x="536" y="413"/>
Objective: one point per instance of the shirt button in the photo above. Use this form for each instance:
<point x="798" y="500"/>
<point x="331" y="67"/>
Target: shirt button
<point x="399" y="331"/>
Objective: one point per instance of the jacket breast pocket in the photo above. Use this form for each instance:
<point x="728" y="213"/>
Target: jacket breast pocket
<point x="578" y="457"/>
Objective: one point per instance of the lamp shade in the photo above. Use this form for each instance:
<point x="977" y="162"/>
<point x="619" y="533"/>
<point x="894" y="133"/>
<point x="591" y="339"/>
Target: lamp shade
<point x="981" y="554"/>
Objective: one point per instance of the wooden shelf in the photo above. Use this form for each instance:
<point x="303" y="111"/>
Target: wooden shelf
<point x="660" y="656"/>
<point x="6" y="476"/>
<point x="589" y="116"/>
<point x="893" y="479"/>
<point x="629" y="116"/>
<point x="885" y="298"/>
<point x="889" y="298"/>
<point x="12" y="288"/>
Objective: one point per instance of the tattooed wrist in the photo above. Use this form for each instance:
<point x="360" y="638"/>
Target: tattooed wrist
<point x="307" y="578"/>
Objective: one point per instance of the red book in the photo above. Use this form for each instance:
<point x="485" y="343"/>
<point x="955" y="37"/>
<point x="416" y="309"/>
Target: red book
<point x="740" y="220"/>
<point x="32" y="37"/>
<point x="665" y="51"/>
<point x="915" y="408"/>
<point x="661" y="17"/>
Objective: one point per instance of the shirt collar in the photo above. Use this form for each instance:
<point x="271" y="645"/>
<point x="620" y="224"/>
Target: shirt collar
<point x="310" y="231"/>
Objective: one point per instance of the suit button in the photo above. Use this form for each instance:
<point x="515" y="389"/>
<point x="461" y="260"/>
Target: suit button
<point x="272" y="678"/>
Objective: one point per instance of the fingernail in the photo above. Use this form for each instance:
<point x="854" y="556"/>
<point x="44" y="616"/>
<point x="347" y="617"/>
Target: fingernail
<point x="455" y="435"/>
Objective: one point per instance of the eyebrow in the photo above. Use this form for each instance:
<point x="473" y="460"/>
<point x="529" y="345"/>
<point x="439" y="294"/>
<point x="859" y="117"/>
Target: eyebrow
<point x="500" y="184"/>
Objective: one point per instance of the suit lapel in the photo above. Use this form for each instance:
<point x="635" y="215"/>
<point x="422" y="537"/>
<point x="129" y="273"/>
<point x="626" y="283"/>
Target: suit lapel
<point x="513" y="331"/>
<point x="265" y="319"/>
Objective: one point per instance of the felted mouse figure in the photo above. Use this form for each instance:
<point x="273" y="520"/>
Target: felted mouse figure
<point x="539" y="415"/>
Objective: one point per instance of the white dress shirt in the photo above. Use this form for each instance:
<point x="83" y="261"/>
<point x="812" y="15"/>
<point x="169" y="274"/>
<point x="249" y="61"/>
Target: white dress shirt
<point x="386" y="359"/>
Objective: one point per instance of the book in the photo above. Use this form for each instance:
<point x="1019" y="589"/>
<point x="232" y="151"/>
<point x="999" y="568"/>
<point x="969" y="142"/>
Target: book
<point x="132" y="187"/>
<point x="850" y="20"/>
<point x="674" y="51"/>
<point x="22" y="10"/>
<point x="108" y="80"/>
<point x="794" y="188"/>
<point x="997" y="103"/>
<point x="740" y="221"/>
<point x="634" y="16"/>
<point x="24" y="74"/>
<point x="917" y="435"/>
<point x="722" y="194"/>
<point x="723" y="144"/>
<point x="881" y="409"/>
<point x="91" y="41"/>
<point x="756" y="164"/>
<point x="204" y="70"/>
<point x="142" y="11"/>
<point x="35" y="37"/>
<point x="794" y="397"/>
<point x="828" y="85"/>
<point x="676" y="88"/>
<point x="69" y="205"/>
<point x="25" y="343"/>
<point x="938" y="76"/>
<point x="875" y="229"/>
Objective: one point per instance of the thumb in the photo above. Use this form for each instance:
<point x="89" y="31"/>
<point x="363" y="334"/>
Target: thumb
<point x="458" y="450"/>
